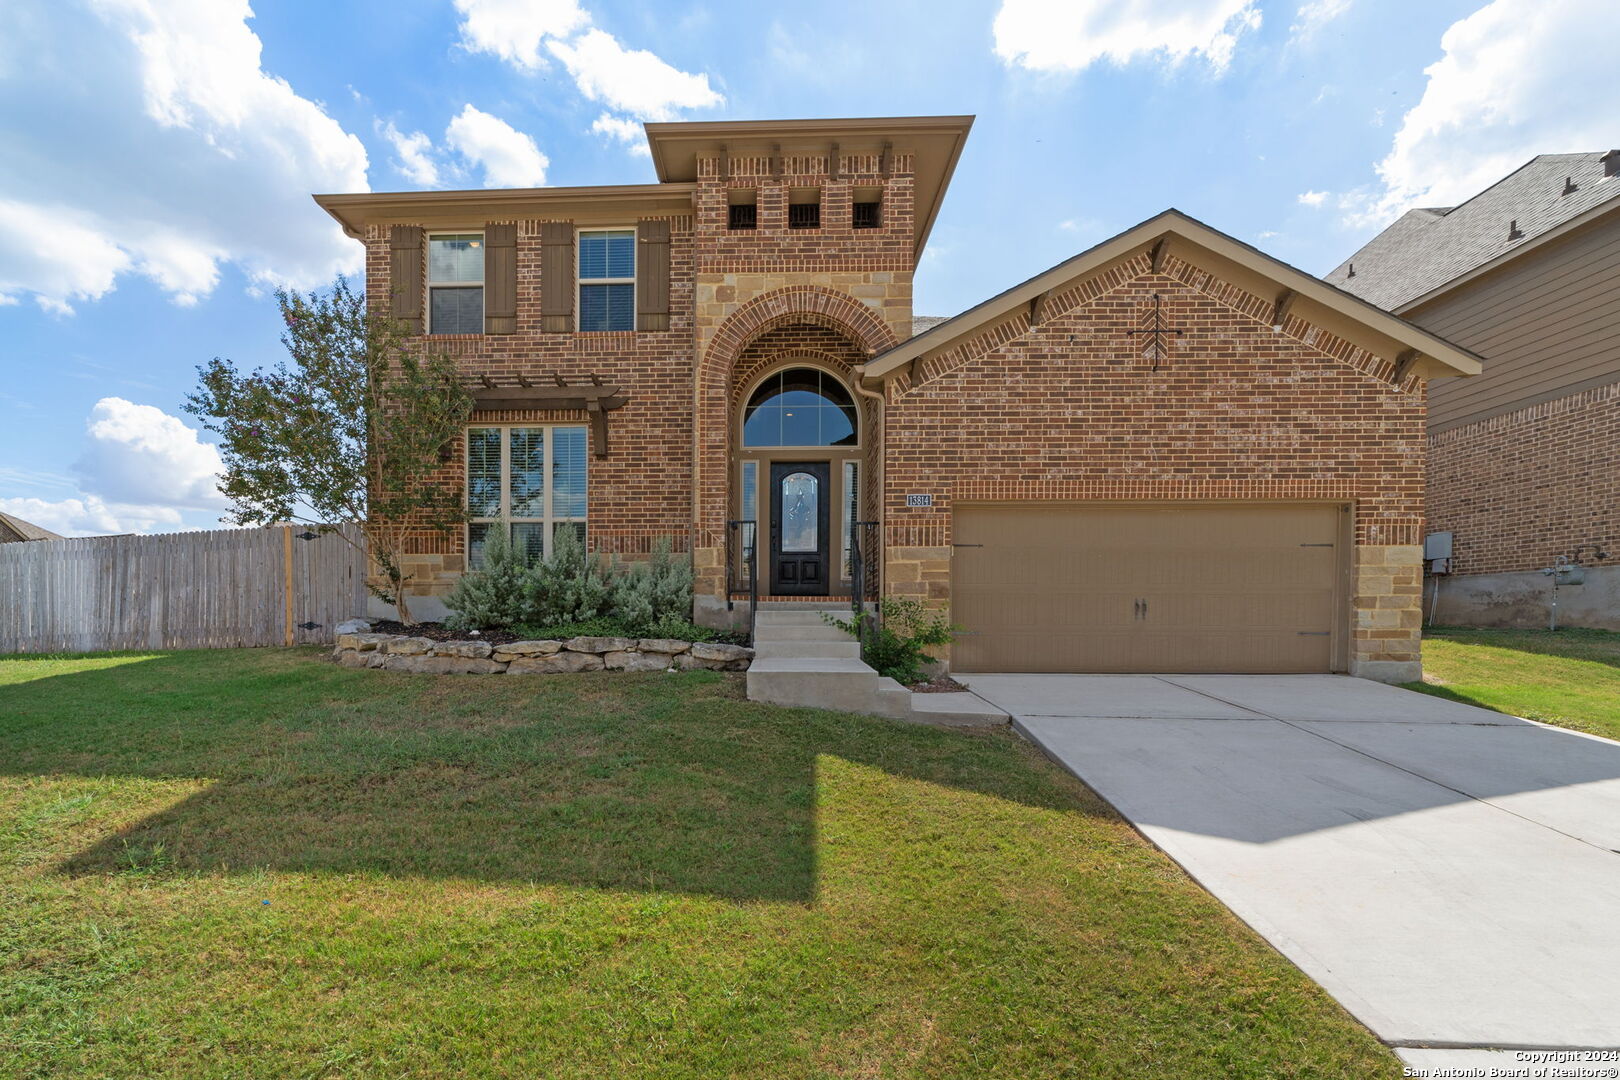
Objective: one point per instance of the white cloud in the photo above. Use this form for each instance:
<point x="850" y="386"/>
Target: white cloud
<point x="508" y="157"/>
<point x="624" y="130"/>
<point x="1313" y="15"/>
<point x="514" y="30"/>
<point x="92" y="516"/>
<point x="634" y="83"/>
<point x="1070" y="35"/>
<point x="415" y="152"/>
<point x="631" y="80"/>
<point x="149" y="137"/>
<point x="1312" y="198"/>
<point x="1515" y="80"/>
<point x="139" y="454"/>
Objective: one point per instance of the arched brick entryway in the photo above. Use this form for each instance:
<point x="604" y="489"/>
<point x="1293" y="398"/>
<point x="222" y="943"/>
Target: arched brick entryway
<point x="729" y="360"/>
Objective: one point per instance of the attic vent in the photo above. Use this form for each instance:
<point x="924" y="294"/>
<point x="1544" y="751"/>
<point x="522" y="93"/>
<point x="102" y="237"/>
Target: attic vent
<point x="1569" y="185"/>
<point x="865" y="215"/>
<point x="742" y="216"/>
<point x="805" y="215"/>
<point x="1611" y="163"/>
<point x="1513" y="230"/>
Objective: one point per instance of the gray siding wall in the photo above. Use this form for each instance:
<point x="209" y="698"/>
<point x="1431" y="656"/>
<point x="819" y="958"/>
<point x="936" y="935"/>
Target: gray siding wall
<point x="1548" y="325"/>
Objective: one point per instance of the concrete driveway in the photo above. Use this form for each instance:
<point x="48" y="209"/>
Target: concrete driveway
<point x="1448" y="873"/>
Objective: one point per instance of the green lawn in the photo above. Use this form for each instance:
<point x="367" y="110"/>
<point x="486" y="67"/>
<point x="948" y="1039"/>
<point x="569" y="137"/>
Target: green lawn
<point x="1567" y="677"/>
<point x="257" y="864"/>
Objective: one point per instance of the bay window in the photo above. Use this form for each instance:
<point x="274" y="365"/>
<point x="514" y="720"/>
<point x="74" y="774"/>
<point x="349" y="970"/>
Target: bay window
<point x="529" y="479"/>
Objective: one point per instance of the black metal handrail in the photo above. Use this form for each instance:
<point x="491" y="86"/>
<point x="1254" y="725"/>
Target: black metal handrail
<point x="742" y="540"/>
<point x="863" y="573"/>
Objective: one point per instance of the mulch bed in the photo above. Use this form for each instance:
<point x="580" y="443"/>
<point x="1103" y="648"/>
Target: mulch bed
<point x="439" y="632"/>
<point x="939" y="684"/>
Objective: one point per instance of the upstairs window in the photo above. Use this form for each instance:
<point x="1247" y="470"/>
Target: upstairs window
<point x="804" y="208"/>
<point x="455" y="283"/>
<point x="607" y="279"/>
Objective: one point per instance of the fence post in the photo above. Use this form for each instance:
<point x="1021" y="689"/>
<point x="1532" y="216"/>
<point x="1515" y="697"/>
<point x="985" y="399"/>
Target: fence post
<point x="287" y="578"/>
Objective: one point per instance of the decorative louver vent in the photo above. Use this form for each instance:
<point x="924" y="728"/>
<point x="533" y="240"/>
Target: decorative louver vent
<point x="867" y="215"/>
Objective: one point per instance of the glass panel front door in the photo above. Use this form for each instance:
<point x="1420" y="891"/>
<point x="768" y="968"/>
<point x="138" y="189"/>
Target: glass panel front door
<point x="799" y="528"/>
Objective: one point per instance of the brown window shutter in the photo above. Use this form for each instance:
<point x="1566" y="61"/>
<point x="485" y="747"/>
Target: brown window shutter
<point x="652" y="275"/>
<point x="557" y="277"/>
<point x="500" y="279"/>
<point x="405" y="283"/>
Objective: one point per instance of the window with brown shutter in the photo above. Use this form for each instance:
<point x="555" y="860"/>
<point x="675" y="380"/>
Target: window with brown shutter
<point x="500" y="279"/>
<point x="652" y="275"/>
<point x="405" y="275"/>
<point x="557" y="277"/>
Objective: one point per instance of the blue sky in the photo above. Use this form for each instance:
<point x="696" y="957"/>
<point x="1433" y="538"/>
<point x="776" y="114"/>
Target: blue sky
<point x="160" y="154"/>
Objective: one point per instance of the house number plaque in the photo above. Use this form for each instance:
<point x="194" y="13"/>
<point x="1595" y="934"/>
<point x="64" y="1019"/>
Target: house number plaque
<point x="919" y="500"/>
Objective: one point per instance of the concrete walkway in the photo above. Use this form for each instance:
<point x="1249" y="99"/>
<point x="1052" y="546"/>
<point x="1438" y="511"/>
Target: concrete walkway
<point x="1448" y="873"/>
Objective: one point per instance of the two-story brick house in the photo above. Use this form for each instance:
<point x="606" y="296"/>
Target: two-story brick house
<point x="734" y="344"/>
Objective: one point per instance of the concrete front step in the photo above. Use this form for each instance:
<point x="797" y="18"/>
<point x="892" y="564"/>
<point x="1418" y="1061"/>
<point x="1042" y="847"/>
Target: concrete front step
<point x="799" y="617"/>
<point x="819" y="682"/>
<point x="795" y="632"/>
<point x="966" y="709"/>
<point x="849" y="649"/>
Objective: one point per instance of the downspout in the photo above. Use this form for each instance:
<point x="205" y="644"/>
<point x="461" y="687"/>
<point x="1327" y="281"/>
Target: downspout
<point x="876" y="396"/>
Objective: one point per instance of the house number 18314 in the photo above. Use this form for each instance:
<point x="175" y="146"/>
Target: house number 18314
<point x="919" y="500"/>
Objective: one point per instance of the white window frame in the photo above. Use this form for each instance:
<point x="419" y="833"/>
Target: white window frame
<point x="581" y="282"/>
<point x="482" y="286"/>
<point x="549" y="519"/>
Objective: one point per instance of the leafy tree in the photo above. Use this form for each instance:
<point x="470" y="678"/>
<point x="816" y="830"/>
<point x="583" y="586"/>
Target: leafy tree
<point x="350" y="432"/>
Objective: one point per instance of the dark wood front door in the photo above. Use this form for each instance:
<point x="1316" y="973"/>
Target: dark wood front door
<point x="799" y="540"/>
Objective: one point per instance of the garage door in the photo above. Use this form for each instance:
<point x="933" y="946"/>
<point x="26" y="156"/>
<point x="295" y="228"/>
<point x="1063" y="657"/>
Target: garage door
<point x="1147" y="587"/>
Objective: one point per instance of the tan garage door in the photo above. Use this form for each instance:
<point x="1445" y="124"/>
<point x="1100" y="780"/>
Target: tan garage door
<point x="1238" y="587"/>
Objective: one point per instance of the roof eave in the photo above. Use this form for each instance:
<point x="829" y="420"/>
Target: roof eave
<point x="1562" y="229"/>
<point x="350" y="208"/>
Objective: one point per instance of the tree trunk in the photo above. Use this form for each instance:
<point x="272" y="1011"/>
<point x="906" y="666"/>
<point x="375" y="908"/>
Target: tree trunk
<point x="400" y="604"/>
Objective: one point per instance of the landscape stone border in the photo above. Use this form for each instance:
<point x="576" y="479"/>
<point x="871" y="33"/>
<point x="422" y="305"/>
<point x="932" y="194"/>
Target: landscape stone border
<point x="401" y="652"/>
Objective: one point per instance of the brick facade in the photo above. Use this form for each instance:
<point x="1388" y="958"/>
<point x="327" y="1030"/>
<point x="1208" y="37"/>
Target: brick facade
<point x="1522" y="488"/>
<point x="1072" y="410"/>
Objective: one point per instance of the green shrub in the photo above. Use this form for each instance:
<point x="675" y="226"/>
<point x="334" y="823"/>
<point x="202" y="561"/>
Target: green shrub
<point x="492" y="596"/>
<point x="657" y="590"/>
<point x="896" y="647"/>
<point x="571" y="586"/>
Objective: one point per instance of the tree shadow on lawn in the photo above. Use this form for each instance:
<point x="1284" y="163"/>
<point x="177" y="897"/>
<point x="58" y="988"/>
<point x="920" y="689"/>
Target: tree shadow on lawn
<point x="667" y="783"/>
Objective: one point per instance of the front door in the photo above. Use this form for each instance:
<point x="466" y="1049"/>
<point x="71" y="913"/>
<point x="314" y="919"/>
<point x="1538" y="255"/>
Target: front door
<point x="799" y="540"/>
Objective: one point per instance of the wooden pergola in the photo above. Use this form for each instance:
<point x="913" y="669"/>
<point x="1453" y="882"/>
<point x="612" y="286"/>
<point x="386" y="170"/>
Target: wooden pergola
<point x="595" y="398"/>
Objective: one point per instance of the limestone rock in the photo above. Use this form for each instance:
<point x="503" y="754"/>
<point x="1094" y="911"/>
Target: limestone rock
<point x="409" y="646"/>
<point x="443" y="665"/>
<point x="362" y="642"/>
<point x="636" y="661"/>
<point x="599" y="644"/>
<point x="514" y="649"/>
<point x="352" y="626"/>
<point x="663" y="645"/>
<point x="706" y="650"/>
<point x="688" y="662"/>
<point x="472" y="650"/>
<point x="555" y="664"/>
<point x="352" y="659"/>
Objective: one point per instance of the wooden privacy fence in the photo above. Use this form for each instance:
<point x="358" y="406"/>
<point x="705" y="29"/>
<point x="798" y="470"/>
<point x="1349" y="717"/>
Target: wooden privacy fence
<point x="210" y="590"/>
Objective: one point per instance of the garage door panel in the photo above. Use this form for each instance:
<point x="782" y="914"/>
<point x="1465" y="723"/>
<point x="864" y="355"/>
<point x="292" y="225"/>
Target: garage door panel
<point x="1147" y="587"/>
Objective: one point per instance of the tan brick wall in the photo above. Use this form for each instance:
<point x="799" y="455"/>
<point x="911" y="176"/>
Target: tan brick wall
<point x="1073" y="410"/>
<point x="1520" y="489"/>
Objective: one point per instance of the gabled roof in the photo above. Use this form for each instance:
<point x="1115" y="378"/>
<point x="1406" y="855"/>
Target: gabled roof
<point x="936" y="142"/>
<point x="1426" y="252"/>
<point x="1313" y="300"/>
<point x="15" y="529"/>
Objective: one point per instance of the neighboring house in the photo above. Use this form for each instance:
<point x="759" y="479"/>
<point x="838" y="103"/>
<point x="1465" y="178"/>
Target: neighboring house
<point x="735" y="344"/>
<point x="15" y="530"/>
<point x="1524" y="461"/>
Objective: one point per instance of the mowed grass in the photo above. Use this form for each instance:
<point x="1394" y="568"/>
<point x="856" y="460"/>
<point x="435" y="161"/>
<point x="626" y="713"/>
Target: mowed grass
<point x="257" y="864"/>
<point x="1567" y="677"/>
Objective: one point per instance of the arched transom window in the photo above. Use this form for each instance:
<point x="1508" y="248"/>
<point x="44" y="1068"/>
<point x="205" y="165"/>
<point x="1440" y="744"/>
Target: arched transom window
<point x="800" y="407"/>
